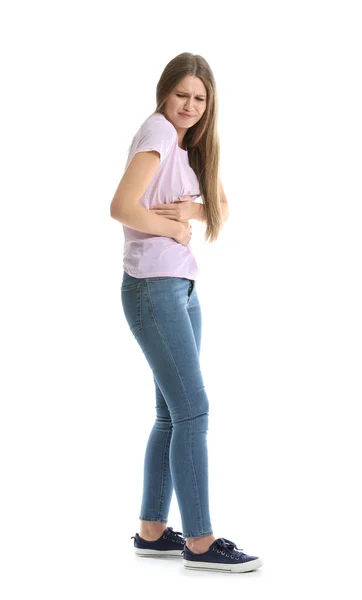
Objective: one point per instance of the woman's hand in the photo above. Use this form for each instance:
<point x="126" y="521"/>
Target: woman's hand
<point x="180" y="210"/>
<point x="184" y="237"/>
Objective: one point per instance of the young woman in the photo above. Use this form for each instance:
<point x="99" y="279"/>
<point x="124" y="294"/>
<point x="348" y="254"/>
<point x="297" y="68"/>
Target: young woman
<point x="173" y="159"/>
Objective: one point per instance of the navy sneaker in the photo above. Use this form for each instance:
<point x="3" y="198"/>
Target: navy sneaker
<point x="222" y="555"/>
<point x="171" y="543"/>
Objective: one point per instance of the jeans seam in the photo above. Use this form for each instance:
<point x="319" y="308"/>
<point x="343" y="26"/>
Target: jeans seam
<point x="139" y="308"/>
<point x="143" y="517"/>
<point x="162" y="486"/>
<point x="197" y="534"/>
<point x="195" y="480"/>
<point x="186" y="398"/>
<point x="138" y="303"/>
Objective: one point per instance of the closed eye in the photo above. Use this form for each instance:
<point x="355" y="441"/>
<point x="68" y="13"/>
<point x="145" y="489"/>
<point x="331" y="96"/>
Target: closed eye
<point x="181" y="96"/>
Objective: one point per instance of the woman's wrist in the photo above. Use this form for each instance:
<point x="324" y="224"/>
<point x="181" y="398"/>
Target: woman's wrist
<point x="178" y="229"/>
<point x="198" y="211"/>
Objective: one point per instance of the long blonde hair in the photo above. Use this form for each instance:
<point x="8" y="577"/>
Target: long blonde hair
<point x="202" y="140"/>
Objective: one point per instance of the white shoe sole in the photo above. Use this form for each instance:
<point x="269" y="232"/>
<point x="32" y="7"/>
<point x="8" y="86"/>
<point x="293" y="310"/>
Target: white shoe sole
<point x="151" y="552"/>
<point x="250" y="565"/>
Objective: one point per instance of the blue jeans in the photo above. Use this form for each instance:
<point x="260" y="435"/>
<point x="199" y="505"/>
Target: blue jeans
<point x="164" y="316"/>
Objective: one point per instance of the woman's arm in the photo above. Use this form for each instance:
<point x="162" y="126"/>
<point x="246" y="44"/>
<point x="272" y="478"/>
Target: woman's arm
<point x="199" y="209"/>
<point x="142" y="219"/>
<point x="200" y="213"/>
<point x="125" y="206"/>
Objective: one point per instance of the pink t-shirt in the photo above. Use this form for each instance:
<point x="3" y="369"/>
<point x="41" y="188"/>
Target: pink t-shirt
<point x="145" y="254"/>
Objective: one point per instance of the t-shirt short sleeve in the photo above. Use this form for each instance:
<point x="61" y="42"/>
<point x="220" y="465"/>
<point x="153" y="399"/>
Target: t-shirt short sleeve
<point x="156" y="133"/>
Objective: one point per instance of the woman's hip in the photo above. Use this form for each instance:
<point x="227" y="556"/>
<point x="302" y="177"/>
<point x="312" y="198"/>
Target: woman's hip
<point x="161" y="303"/>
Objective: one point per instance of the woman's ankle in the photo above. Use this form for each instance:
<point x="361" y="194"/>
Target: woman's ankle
<point x="151" y="530"/>
<point x="200" y="545"/>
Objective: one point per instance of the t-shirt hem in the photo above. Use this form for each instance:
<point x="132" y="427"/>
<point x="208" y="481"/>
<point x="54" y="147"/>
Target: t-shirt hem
<point x="158" y="274"/>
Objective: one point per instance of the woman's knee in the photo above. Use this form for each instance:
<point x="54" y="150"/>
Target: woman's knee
<point x="196" y="406"/>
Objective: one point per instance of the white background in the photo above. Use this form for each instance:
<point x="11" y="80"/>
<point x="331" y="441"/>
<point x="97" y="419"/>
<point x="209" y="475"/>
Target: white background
<point x="280" y="293"/>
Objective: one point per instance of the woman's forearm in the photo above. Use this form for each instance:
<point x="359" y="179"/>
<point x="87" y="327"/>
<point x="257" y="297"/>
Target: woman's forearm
<point x="200" y="213"/>
<point x="142" y="219"/>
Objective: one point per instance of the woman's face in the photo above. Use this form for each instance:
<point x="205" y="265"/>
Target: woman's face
<point x="188" y="97"/>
